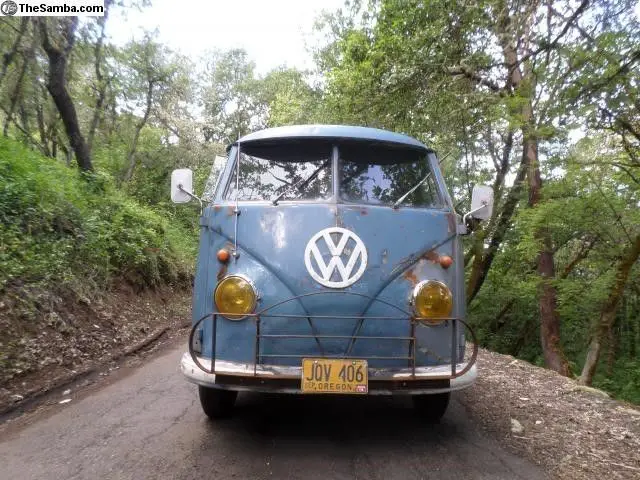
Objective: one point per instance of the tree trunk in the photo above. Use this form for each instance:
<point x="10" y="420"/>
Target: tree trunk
<point x="522" y="83"/>
<point x="131" y="157"/>
<point x="44" y="138"/>
<point x="480" y="270"/>
<point x="9" y="56"/>
<point x="57" y="86"/>
<point x="554" y="357"/>
<point x="612" y="347"/>
<point x="483" y="259"/>
<point x="15" y="96"/>
<point x="101" y="83"/>
<point x="549" y="319"/>
<point x="608" y="312"/>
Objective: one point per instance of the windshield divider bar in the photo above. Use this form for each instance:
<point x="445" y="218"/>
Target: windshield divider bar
<point x="237" y="208"/>
<point x="335" y="156"/>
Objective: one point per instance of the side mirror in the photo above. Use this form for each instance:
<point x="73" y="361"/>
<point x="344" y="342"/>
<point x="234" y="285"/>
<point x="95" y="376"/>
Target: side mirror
<point x="182" y="185"/>
<point x="481" y="208"/>
<point x="481" y="202"/>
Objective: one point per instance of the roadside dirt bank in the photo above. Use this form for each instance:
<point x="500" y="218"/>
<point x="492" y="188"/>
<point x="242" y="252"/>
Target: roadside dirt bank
<point x="574" y="432"/>
<point x="76" y="339"/>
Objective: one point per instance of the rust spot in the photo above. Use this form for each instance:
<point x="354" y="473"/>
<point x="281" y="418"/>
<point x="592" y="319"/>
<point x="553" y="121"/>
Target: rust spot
<point x="231" y="210"/>
<point x="432" y="256"/>
<point x="411" y="277"/>
<point x="364" y="211"/>
<point x="222" y="272"/>
<point x="217" y="208"/>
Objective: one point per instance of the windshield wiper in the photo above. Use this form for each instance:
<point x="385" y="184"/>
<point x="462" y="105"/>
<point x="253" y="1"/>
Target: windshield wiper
<point x="301" y="183"/>
<point x="413" y="189"/>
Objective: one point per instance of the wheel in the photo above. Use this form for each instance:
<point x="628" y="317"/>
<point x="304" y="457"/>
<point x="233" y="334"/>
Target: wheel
<point x="217" y="403"/>
<point x="431" y="407"/>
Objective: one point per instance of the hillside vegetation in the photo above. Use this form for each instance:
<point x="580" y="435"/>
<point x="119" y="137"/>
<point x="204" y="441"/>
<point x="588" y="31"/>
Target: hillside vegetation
<point x="68" y="236"/>
<point x="60" y="230"/>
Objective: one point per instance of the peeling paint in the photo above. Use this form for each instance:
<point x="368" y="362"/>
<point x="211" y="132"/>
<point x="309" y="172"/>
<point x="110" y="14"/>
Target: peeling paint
<point x="432" y="255"/>
<point x="222" y="272"/>
<point x="274" y="223"/>
<point x="411" y="277"/>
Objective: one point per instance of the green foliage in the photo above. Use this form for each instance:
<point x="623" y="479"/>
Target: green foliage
<point x="58" y="229"/>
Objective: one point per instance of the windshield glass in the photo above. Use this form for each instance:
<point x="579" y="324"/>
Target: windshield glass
<point x="301" y="177"/>
<point x="366" y="177"/>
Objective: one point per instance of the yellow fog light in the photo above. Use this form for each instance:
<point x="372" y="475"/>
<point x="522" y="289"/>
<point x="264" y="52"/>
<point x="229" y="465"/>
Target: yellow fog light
<point x="432" y="300"/>
<point x="235" y="297"/>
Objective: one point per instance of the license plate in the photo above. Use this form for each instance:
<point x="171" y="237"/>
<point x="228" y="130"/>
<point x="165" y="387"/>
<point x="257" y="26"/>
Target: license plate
<point x="323" y="375"/>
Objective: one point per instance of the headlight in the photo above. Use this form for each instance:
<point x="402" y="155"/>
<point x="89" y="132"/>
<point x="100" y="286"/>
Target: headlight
<point x="235" y="297"/>
<point x="432" y="300"/>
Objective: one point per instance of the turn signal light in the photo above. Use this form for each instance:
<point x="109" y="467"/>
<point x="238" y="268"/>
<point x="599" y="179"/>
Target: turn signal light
<point x="445" y="261"/>
<point x="432" y="300"/>
<point x="223" y="255"/>
<point x="235" y="297"/>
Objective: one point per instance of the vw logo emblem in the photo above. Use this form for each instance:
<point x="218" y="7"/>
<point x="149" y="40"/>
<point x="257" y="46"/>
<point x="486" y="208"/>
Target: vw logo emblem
<point x="336" y="245"/>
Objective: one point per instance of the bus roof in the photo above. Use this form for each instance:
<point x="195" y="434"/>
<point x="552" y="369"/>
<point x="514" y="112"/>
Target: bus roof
<point x="328" y="132"/>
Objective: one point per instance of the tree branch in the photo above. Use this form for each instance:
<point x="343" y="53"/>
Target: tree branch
<point x="563" y="32"/>
<point x="581" y="255"/>
<point x="466" y="72"/>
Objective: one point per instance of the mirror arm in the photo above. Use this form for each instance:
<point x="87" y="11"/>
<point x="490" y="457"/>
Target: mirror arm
<point x="466" y="215"/>
<point x="181" y="188"/>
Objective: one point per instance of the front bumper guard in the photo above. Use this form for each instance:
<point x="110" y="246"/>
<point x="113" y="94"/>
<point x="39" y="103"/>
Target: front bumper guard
<point x="259" y="375"/>
<point x="279" y="379"/>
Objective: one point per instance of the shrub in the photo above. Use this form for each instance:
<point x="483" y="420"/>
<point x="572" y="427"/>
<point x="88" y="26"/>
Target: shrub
<point x="58" y="228"/>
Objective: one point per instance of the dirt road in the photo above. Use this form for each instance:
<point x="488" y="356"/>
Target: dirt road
<point x="150" y="425"/>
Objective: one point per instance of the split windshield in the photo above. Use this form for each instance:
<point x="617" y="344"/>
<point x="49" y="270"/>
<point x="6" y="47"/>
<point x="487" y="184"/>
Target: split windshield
<point x="367" y="174"/>
<point x="264" y="176"/>
<point x="383" y="176"/>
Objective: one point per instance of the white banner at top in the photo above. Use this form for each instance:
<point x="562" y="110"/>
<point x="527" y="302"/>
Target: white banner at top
<point x="52" y="8"/>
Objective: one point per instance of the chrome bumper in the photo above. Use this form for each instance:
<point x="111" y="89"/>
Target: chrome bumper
<point x="279" y="379"/>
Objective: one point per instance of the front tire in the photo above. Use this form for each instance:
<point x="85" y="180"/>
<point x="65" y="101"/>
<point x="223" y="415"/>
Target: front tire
<point x="431" y="408"/>
<point x="217" y="403"/>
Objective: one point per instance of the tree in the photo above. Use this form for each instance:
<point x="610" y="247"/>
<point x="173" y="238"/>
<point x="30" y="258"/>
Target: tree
<point x="10" y="55"/>
<point x="58" y="54"/>
<point x="609" y="309"/>
<point x="288" y="98"/>
<point x="229" y="96"/>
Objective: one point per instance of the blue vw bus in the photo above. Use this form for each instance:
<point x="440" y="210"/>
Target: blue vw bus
<point x="330" y="262"/>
